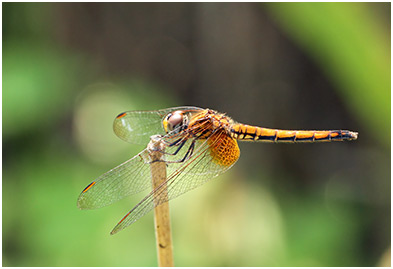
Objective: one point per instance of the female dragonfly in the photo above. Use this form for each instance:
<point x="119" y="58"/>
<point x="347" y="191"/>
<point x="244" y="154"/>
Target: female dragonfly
<point x="199" y="144"/>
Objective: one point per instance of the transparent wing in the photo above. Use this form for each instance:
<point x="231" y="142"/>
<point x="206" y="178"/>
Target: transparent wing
<point x="126" y="179"/>
<point x="137" y="126"/>
<point x="130" y="177"/>
<point x="182" y="177"/>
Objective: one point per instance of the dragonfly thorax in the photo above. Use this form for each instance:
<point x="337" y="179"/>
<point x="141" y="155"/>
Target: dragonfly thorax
<point x="202" y="125"/>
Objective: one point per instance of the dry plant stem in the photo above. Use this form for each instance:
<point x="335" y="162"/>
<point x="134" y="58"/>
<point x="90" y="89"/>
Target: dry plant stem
<point x="162" y="222"/>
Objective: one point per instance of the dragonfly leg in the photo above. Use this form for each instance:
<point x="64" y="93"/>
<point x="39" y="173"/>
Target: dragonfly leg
<point x="178" y="148"/>
<point x="174" y="144"/>
<point x="188" y="154"/>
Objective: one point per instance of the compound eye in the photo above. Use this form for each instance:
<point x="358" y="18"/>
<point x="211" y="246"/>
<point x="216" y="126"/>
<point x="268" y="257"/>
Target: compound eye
<point x="173" y="121"/>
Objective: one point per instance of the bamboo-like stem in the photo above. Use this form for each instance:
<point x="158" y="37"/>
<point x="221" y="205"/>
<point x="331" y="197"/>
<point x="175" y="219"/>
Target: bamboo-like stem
<point x="162" y="224"/>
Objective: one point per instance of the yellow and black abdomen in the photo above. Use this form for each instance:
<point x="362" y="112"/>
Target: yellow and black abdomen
<point x="253" y="133"/>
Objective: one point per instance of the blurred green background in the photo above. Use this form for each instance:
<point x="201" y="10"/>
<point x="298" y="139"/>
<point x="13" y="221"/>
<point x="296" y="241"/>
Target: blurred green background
<point x="70" y="68"/>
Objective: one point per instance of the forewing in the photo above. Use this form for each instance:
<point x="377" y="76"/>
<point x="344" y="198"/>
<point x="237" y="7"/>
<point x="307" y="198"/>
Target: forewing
<point x="182" y="177"/>
<point x="137" y="126"/>
<point x="126" y="179"/>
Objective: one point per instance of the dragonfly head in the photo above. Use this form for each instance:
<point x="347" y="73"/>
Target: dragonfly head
<point x="175" y="121"/>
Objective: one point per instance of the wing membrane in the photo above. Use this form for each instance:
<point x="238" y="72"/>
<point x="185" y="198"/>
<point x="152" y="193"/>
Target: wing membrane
<point x="137" y="126"/>
<point x="130" y="177"/>
<point x="126" y="179"/>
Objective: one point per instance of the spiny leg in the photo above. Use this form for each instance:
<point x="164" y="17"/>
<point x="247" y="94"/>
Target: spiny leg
<point x="188" y="154"/>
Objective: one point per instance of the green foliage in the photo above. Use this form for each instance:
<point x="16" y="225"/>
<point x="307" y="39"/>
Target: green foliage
<point x="36" y="86"/>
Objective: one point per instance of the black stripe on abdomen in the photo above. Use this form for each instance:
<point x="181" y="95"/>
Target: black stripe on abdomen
<point x="271" y="137"/>
<point x="289" y="138"/>
<point x="305" y="139"/>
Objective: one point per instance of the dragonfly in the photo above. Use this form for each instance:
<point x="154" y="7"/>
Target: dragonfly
<point x="198" y="145"/>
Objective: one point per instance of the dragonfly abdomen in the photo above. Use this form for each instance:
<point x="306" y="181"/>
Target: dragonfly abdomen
<point x="253" y="133"/>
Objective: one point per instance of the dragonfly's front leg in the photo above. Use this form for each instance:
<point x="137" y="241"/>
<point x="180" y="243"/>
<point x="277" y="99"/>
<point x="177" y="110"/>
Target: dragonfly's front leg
<point x="179" y="143"/>
<point x="176" y="143"/>
<point x="188" y="154"/>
